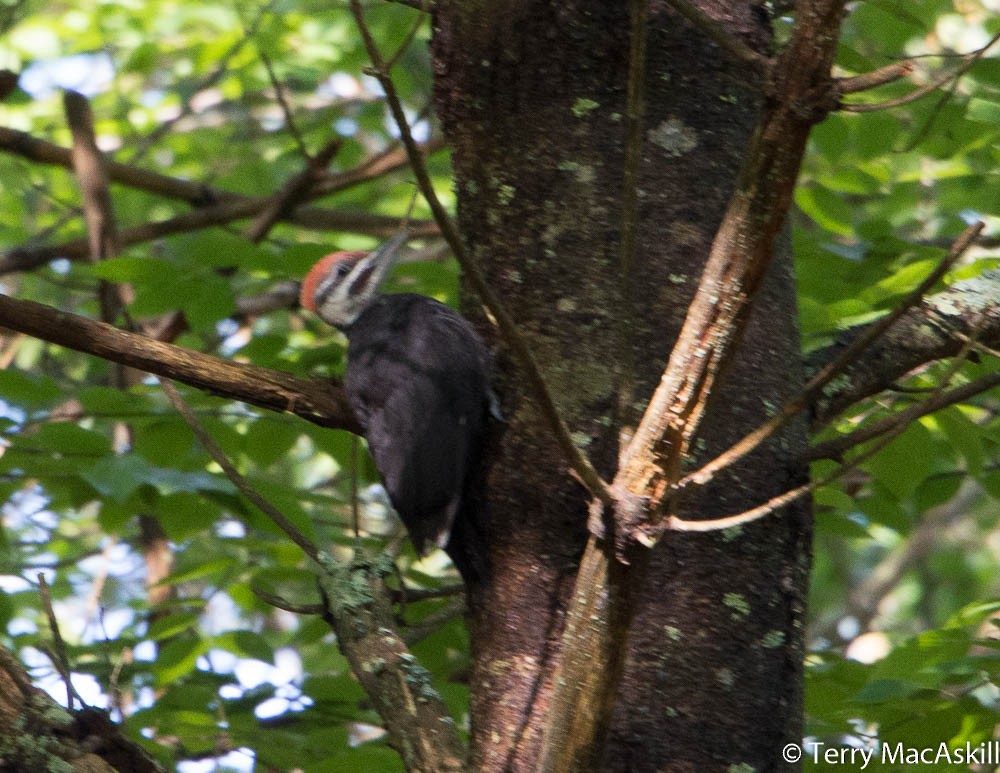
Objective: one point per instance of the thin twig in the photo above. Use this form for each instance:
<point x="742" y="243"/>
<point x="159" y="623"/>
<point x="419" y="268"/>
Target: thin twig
<point x="835" y="448"/>
<point x="280" y="602"/>
<point x="579" y="462"/>
<point x="407" y="41"/>
<point x="58" y="655"/>
<point x="415" y="633"/>
<point x="294" y="192"/>
<point x="732" y="45"/>
<point x="800" y="401"/>
<point x="870" y="80"/>
<point x="243" y="486"/>
<point x="969" y="60"/>
<point x="286" y="109"/>
<point x="899" y="425"/>
<point x="634" y="111"/>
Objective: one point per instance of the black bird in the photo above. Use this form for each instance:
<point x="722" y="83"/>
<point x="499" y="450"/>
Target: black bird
<point x="418" y="380"/>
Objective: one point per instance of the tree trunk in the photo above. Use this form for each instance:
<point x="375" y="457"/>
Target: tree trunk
<point x="532" y="96"/>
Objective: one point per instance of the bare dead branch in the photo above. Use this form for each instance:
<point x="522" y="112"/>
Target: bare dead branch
<point x="293" y="193"/>
<point x="952" y="75"/>
<point x="286" y="109"/>
<point x="841" y="363"/>
<point x="318" y="400"/>
<point x="896" y="427"/>
<point x="59" y="657"/>
<point x="835" y="448"/>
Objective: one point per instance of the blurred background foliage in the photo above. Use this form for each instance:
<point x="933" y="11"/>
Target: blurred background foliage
<point x="213" y="676"/>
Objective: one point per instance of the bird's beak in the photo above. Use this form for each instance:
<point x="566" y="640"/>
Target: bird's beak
<point x="387" y="253"/>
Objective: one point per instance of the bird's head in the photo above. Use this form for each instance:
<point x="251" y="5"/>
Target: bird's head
<point x="341" y="285"/>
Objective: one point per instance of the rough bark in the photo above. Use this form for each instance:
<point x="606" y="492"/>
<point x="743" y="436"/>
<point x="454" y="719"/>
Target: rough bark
<point x="532" y="96"/>
<point x="38" y="734"/>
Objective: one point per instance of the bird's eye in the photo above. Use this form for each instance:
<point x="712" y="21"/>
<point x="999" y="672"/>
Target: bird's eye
<point x="342" y="270"/>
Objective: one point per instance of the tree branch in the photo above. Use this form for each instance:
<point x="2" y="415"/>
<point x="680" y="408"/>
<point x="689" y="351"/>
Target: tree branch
<point x="26" y="258"/>
<point x="831" y="370"/>
<point x="892" y="429"/>
<point x="229" y="470"/>
<point x="295" y="191"/>
<point x="835" y="448"/>
<point x="732" y="45"/>
<point x="198" y="194"/>
<point x="932" y="331"/>
<point x="357" y="607"/>
<point x="318" y="400"/>
<point x="862" y="82"/>
<point x="215" y="207"/>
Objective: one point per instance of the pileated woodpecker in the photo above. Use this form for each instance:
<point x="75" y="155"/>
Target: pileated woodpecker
<point x="418" y="380"/>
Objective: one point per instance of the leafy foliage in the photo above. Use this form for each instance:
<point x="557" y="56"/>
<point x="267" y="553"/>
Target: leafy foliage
<point x="183" y="89"/>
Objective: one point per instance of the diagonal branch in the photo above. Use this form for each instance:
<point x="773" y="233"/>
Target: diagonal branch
<point x="889" y="431"/>
<point x="862" y="82"/>
<point x="732" y="45"/>
<point x="318" y="400"/>
<point x="832" y="369"/>
<point x="357" y="606"/>
<point x="579" y="462"/>
<point x="229" y="470"/>
<point x="294" y="192"/>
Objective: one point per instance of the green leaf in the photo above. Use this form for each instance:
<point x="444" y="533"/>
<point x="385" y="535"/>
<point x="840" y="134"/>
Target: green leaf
<point x="26" y="390"/>
<point x="902" y="465"/>
<point x="184" y="514"/>
<point x="270" y="439"/>
<point x="119" y="476"/>
<point x="178" y="657"/>
<point x="70" y="439"/>
<point x="964" y="435"/>
<point x="826" y="208"/>
<point x="172" y="625"/>
<point x="984" y="110"/>
<point x="882" y="690"/>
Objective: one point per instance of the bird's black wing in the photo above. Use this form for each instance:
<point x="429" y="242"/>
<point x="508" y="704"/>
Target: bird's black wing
<point x="419" y="377"/>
